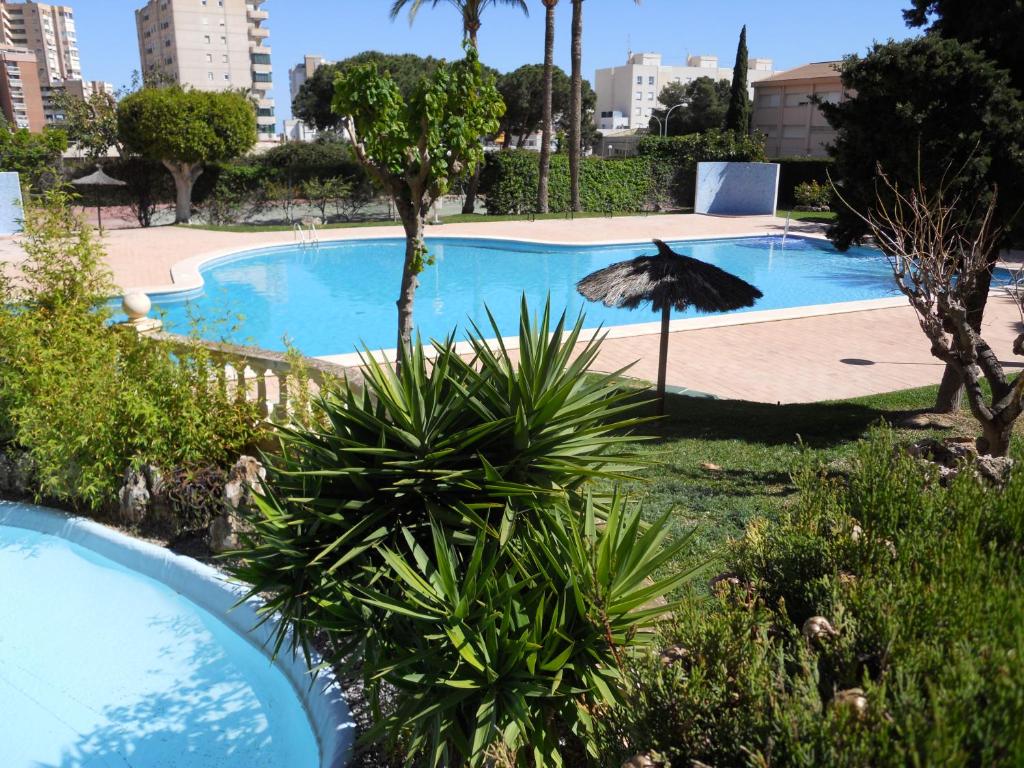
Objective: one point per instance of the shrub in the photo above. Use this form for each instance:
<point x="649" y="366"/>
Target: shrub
<point x="812" y="194"/>
<point x="86" y="400"/>
<point x="922" y="583"/>
<point x="797" y="170"/>
<point x="237" y="193"/>
<point x="674" y="159"/>
<point x="510" y="181"/>
<point x="440" y="536"/>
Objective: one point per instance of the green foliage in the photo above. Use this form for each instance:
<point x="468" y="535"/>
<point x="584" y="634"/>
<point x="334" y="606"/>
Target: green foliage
<point x="238" y="193"/>
<point x="295" y="162"/>
<point x="811" y="193"/>
<point x="313" y="102"/>
<point x="36" y="156"/>
<point x="187" y="126"/>
<point x="90" y="123"/>
<point x="738" y="116"/>
<point x="922" y="582"/>
<point x="706" y="100"/>
<point x="510" y="181"/>
<point x="440" y="535"/>
<point x="958" y="120"/>
<point x="522" y="90"/>
<point x="86" y="400"/>
<point x="323" y="193"/>
<point x="797" y="170"/>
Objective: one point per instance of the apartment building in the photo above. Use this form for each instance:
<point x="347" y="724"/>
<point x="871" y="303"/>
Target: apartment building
<point x="628" y="95"/>
<point x="20" y="96"/>
<point x="300" y="73"/>
<point x="211" y="45"/>
<point x="48" y="31"/>
<point x="786" y="112"/>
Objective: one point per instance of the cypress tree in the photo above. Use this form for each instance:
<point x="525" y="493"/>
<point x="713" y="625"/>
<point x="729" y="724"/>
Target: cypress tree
<point x="738" y="116"/>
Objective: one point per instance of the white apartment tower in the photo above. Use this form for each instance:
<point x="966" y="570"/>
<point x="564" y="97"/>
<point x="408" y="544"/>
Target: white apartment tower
<point x="211" y="45"/>
<point x="628" y="95"/>
<point x="48" y="31"/>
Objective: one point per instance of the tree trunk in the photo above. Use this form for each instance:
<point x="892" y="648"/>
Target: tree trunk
<point x="415" y="252"/>
<point x="545" y="141"/>
<point x="576" y="108"/>
<point x="185" y="175"/>
<point x="951" y="390"/>
<point x="469" y="206"/>
<point x="666" y="314"/>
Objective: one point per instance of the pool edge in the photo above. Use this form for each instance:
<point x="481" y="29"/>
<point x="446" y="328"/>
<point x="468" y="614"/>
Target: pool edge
<point x="322" y="699"/>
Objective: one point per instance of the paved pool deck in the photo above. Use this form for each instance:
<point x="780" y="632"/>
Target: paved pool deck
<point x="805" y="355"/>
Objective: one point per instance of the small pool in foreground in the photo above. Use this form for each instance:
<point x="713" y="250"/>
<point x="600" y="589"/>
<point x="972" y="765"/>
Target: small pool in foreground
<point x="335" y="298"/>
<point x="102" y="667"/>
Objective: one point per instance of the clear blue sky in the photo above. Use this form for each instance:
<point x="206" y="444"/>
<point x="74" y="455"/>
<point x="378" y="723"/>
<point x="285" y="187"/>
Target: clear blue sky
<point x="792" y="32"/>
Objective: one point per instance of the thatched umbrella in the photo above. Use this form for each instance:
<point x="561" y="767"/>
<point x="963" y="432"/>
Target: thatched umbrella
<point x="668" y="281"/>
<point x="99" y="179"/>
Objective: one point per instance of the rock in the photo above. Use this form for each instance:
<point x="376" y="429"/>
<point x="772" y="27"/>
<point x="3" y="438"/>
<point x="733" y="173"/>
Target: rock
<point x="161" y="513"/>
<point x="853" y="700"/>
<point x="17" y="473"/>
<point x="640" y="761"/>
<point x="950" y="454"/>
<point x="724" y="582"/>
<point x="244" y="479"/>
<point x="674" y="654"/>
<point x="707" y="466"/>
<point x="818" y="629"/>
<point x="995" y="469"/>
<point x="133" y="498"/>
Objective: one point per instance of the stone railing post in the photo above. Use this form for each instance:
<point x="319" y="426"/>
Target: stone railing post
<point x="137" y="306"/>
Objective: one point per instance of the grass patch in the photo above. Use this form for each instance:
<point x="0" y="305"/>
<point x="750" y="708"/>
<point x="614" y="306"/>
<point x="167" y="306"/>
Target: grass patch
<point x="826" y="217"/>
<point x="455" y="218"/>
<point x="756" y="447"/>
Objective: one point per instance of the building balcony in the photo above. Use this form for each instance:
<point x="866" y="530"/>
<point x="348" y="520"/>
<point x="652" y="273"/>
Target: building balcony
<point x="258" y="33"/>
<point x="255" y="14"/>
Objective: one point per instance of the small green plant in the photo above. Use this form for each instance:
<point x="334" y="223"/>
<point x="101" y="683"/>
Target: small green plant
<point x="324" y="193"/>
<point x="812" y="194"/>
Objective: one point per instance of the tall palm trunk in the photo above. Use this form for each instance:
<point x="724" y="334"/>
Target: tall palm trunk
<point x="469" y="206"/>
<point x="576" y="108"/>
<point x="549" y="71"/>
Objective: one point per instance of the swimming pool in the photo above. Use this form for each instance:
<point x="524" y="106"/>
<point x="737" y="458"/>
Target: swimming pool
<point x="335" y="298"/>
<point x="103" y="666"/>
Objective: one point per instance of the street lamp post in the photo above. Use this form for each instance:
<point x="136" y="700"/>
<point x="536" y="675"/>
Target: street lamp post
<point x="669" y="114"/>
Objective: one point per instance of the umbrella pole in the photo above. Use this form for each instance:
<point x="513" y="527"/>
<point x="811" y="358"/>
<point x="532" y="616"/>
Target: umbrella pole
<point x="99" y="216"/>
<point x="663" y="358"/>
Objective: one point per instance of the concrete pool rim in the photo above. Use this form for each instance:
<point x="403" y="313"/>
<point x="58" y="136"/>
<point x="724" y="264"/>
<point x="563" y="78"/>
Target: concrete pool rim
<point x="322" y="699"/>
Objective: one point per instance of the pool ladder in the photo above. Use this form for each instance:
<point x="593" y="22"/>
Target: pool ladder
<point x="306" y="233"/>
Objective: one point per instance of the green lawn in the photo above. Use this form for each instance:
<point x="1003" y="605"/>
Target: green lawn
<point x="756" y="446"/>
<point x="824" y="217"/>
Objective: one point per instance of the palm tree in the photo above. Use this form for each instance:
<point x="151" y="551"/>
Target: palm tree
<point x="576" y="106"/>
<point x="471" y="11"/>
<point x="549" y="69"/>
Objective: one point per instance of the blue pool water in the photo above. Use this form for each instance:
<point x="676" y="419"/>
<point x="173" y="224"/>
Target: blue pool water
<point x="334" y="299"/>
<point x="102" y="667"/>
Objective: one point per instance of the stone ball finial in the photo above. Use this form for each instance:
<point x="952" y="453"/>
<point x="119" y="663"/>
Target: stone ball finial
<point x="136" y="305"/>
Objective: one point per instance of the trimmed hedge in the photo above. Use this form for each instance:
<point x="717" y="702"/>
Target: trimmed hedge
<point x="510" y="183"/>
<point x="674" y="159"/>
<point x="794" y="171"/>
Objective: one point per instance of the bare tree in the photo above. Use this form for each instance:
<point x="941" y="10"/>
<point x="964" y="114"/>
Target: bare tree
<point x="938" y="258"/>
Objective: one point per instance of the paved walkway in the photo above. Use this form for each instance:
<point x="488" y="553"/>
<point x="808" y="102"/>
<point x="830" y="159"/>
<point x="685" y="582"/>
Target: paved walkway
<point x="786" y="360"/>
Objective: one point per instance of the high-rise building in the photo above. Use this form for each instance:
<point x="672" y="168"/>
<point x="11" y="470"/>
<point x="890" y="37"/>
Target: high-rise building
<point x="210" y="45"/>
<point x="48" y="31"/>
<point x="20" y="96"/>
<point x="628" y="95"/>
<point x="300" y="73"/>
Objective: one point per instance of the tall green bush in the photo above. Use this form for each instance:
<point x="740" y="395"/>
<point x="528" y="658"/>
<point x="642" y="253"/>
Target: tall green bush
<point x="510" y="181"/>
<point x="85" y="400"/>
<point x="674" y="159"/>
<point x="440" y="536"/>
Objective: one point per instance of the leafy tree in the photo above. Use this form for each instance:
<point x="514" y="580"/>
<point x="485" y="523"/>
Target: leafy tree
<point x="994" y="26"/>
<point x="416" y="147"/>
<point x="523" y="93"/>
<point x="738" y="116"/>
<point x="323" y="193"/>
<point x="547" y="108"/>
<point x="91" y="123"/>
<point x="314" y="100"/>
<point x="470" y="11"/>
<point x="576" y="108"/>
<point x="35" y="156"/>
<point x="958" y="120"/>
<point x="185" y="130"/>
<point x="705" y="101"/>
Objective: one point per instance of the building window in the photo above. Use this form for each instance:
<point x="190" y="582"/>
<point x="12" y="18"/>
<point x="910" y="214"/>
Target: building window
<point x="224" y="58"/>
<point x="795" y="99"/>
<point x="638" y="111"/>
<point x="209" y="58"/>
<point x="223" y="40"/>
<point x="829" y="97"/>
<point x="227" y="76"/>
<point x="262" y="77"/>
<point x="650" y="95"/>
<point x="206" y="39"/>
<point x="639" y="79"/>
<point x="768" y="100"/>
<point x="794" y="131"/>
<point x="167" y="43"/>
<point x="638" y="95"/>
<point x="209" y="75"/>
<point x="650" y="80"/>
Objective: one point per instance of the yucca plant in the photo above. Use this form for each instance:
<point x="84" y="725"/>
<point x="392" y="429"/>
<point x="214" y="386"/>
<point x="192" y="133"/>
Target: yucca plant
<point x="437" y="529"/>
